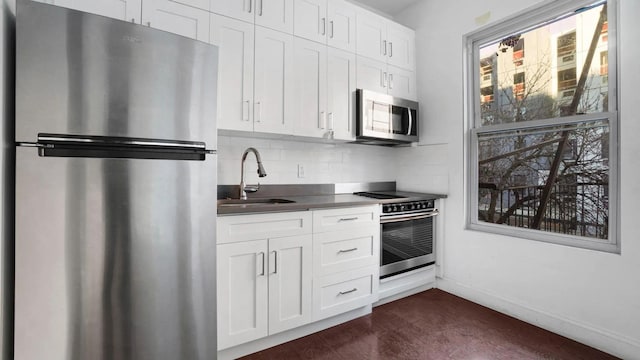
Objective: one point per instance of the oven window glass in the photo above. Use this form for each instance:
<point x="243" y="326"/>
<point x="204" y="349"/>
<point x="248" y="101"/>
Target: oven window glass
<point x="407" y="239"/>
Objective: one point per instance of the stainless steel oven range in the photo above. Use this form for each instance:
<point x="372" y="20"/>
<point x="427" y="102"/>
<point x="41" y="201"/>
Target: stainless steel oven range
<point x="406" y="231"/>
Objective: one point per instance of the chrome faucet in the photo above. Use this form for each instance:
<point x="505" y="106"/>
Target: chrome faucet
<point x="244" y="188"/>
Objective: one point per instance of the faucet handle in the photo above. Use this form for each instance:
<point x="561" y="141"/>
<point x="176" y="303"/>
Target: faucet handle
<point x="251" y="188"/>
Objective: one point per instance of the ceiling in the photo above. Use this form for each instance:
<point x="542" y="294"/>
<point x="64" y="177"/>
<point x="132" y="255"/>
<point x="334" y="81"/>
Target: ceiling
<point x="390" y="7"/>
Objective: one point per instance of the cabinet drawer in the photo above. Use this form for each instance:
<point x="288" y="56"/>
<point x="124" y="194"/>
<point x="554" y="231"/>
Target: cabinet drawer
<point x="262" y="226"/>
<point x="342" y="292"/>
<point x="346" y="218"/>
<point x="345" y="250"/>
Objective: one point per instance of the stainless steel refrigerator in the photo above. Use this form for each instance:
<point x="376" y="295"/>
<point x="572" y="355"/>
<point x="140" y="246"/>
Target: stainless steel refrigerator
<point x="115" y="190"/>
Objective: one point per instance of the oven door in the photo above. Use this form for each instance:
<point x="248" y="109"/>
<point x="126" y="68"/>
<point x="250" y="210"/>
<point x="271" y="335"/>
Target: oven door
<point x="406" y="242"/>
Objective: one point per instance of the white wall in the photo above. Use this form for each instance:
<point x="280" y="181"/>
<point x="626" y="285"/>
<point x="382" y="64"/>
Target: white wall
<point x="323" y="163"/>
<point x="7" y="23"/>
<point x="590" y="296"/>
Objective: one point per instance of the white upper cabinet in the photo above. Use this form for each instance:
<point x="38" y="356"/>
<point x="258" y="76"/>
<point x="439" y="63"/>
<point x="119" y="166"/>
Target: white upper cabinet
<point x="176" y="17"/>
<point x="273" y="108"/>
<point x="273" y="14"/>
<point x="310" y="62"/>
<point x="379" y="77"/>
<point x="341" y="31"/>
<point x="341" y="90"/>
<point x="383" y="40"/>
<point x="371" y="36"/>
<point x="401" y="46"/>
<point x="329" y="22"/>
<point x="235" y="40"/>
<point x="310" y="19"/>
<point x="127" y="10"/>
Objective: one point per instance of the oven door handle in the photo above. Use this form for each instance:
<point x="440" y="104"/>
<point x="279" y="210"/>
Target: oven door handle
<point x="398" y="218"/>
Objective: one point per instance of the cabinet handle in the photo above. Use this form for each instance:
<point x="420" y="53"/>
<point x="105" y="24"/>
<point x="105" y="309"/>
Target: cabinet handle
<point x="133" y="20"/>
<point x="149" y="23"/>
<point x="348" y="219"/>
<point x="321" y="119"/>
<point x="384" y="79"/>
<point x="248" y="10"/>
<point x="390" y="49"/>
<point x="257" y="109"/>
<point x="331" y="29"/>
<point x="245" y="110"/>
<point x="384" y="47"/>
<point x="263" y="263"/>
<point x="331" y="121"/>
<point x="390" y="81"/>
<point x="324" y="26"/>
<point x="260" y="8"/>
<point x="347" y="250"/>
<point x="348" y="291"/>
<point x="275" y="262"/>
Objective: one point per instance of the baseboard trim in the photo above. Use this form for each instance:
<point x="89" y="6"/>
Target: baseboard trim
<point x="609" y="342"/>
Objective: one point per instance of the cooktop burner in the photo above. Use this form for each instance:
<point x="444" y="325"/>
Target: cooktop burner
<point x="377" y="195"/>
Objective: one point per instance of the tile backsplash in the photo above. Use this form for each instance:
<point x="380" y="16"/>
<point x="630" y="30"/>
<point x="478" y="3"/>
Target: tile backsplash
<point x="321" y="162"/>
<point x="416" y="168"/>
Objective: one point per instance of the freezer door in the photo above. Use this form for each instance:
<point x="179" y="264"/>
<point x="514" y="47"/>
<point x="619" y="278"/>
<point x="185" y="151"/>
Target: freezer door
<point x="115" y="258"/>
<point x="84" y="74"/>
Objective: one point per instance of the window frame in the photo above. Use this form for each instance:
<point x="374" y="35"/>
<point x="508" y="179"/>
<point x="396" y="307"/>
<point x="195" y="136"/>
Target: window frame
<point x="546" y="12"/>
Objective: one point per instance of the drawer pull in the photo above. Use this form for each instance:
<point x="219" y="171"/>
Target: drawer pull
<point x="348" y="291"/>
<point x="347" y="250"/>
<point x="348" y="219"/>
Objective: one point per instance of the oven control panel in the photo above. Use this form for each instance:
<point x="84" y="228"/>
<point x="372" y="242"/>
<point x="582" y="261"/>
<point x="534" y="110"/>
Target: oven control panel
<point x="410" y="206"/>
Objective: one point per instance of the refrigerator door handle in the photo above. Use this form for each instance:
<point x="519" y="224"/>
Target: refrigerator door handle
<point x="119" y="147"/>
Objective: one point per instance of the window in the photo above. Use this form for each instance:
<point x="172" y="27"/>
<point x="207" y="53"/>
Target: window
<point x="541" y="161"/>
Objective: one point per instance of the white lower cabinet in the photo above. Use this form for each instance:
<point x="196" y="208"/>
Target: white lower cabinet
<point x="275" y="274"/>
<point x="264" y="275"/>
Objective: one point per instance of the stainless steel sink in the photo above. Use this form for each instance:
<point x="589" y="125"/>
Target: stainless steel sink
<point x="252" y="202"/>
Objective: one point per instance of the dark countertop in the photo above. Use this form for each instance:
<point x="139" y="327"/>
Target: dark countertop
<point x="302" y="203"/>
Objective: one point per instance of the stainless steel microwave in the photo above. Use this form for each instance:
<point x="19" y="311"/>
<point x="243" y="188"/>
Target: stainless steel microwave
<point x="382" y="119"/>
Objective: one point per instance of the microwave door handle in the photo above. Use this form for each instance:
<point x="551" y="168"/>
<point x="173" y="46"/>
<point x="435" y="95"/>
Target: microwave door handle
<point x="410" y="121"/>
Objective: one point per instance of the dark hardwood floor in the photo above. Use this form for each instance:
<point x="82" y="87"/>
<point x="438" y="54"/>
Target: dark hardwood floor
<point x="432" y="325"/>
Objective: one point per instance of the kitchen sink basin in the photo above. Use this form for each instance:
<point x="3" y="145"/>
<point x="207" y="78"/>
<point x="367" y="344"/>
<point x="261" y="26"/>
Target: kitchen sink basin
<point x="252" y="202"/>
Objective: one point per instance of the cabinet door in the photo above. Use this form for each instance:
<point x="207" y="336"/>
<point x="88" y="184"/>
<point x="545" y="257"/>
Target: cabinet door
<point x="310" y="19"/>
<point x="275" y="14"/>
<point x="341" y="32"/>
<point x="371" y="75"/>
<point x="402" y="83"/>
<point x="238" y="9"/>
<point x="341" y="86"/>
<point x="242" y="292"/>
<point x="273" y="90"/>
<point x="310" y="62"/>
<point x="290" y="276"/>
<point x="371" y="35"/>
<point x="177" y="18"/>
<point x="128" y="10"/>
<point x="401" y="43"/>
<point x="235" y="72"/>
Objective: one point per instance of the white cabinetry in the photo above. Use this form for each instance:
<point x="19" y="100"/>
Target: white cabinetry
<point x="273" y="14"/>
<point x="324" y="91"/>
<point x="273" y="78"/>
<point x="380" y="77"/>
<point x="255" y="77"/>
<point x="264" y="275"/>
<point x="346" y="252"/>
<point x="235" y="40"/>
<point x="386" y="56"/>
<point x="383" y="40"/>
<point x="188" y="18"/>
<point x="329" y="22"/>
